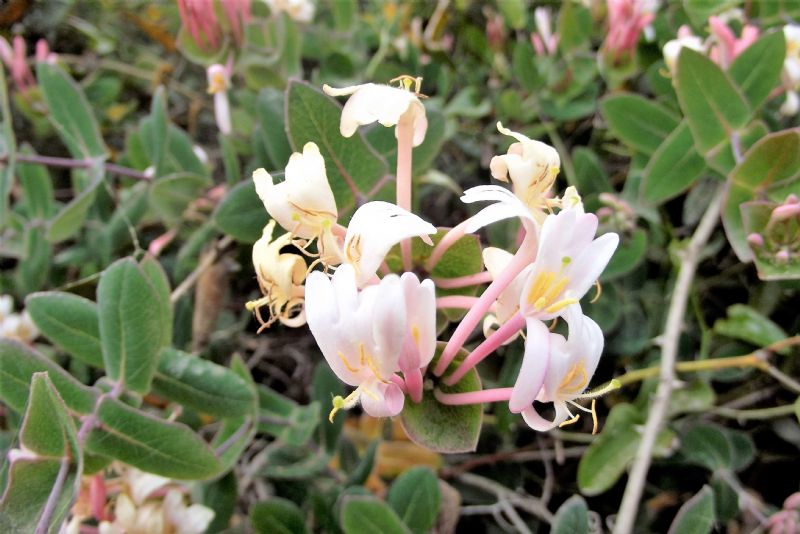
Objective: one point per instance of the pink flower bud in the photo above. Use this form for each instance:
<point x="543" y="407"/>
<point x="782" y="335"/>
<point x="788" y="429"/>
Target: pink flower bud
<point x="785" y="212"/>
<point x="792" y="502"/>
<point x="755" y="240"/>
<point x="782" y="256"/>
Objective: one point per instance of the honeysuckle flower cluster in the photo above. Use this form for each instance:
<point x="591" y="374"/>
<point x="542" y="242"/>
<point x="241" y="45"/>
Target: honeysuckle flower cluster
<point x="722" y="46"/>
<point x="779" y="240"/>
<point x="15" y="58"/>
<point x="378" y="332"/>
<point x="134" y="502"/>
<point x="18" y="326"/>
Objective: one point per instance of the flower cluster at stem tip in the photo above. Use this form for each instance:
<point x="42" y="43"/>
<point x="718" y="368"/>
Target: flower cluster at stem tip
<point x="377" y="329"/>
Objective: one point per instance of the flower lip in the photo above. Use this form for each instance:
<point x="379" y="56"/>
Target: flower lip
<point x="385" y="104"/>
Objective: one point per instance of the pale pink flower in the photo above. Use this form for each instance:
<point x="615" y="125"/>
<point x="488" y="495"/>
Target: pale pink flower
<point x="728" y="46"/>
<point x="626" y="20"/>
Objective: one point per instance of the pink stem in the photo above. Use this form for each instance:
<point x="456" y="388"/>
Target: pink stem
<point x="405" y="140"/>
<point x="452" y="235"/>
<point x="399" y="382"/>
<point x="492" y="343"/>
<point x="414" y="384"/>
<point x="524" y="256"/>
<point x="473" y="397"/>
<point x="456" y="301"/>
<point x="483" y="277"/>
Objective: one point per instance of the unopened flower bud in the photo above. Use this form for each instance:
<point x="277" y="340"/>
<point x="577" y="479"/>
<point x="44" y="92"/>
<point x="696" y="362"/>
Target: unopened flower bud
<point x="755" y="240"/>
<point x="782" y="256"/>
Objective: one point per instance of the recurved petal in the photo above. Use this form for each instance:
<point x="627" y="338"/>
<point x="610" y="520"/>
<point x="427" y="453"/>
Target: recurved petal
<point x="380" y="399"/>
<point x="534" y="366"/>
<point x="539" y="423"/>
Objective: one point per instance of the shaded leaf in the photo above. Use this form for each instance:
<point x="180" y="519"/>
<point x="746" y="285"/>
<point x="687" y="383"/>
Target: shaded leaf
<point x="415" y="496"/>
<point x="241" y="214"/>
<point x="277" y="515"/>
<point x="638" y="122"/>
<point x="572" y="517"/>
<point x="697" y="515"/>
<point x="367" y="514"/>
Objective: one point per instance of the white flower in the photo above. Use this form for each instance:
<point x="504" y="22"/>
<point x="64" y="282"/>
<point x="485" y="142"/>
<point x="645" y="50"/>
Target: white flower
<point x="299" y="10"/>
<point x="141" y="484"/>
<point x="380" y="103"/>
<point x="673" y="48"/>
<point x="419" y="345"/>
<point x="791" y="70"/>
<point x="374" y="229"/>
<point x="532" y="167"/>
<point x="19" y="327"/>
<point x="568" y="262"/>
<point x="570" y="367"/>
<point x="507" y="305"/>
<point x="6" y="306"/>
<point x="132" y="519"/>
<point x="280" y="277"/>
<point x="218" y="84"/>
<point x="184" y="519"/>
<point x="303" y="203"/>
<point x="361" y="334"/>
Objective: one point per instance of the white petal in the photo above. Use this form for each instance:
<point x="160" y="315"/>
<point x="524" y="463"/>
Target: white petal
<point x="420" y="343"/>
<point x="374" y="229"/>
<point x="388" y="318"/>
<point x="507" y="206"/>
<point x="534" y="366"/>
<point x="539" y="423"/>
<point x="588" y="267"/>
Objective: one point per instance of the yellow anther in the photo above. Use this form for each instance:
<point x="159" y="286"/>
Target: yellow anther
<point x="415" y="334"/>
<point x="599" y="292"/>
<point x="347" y="364"/>
<point x="594" y="417"/>
<point x="570" y="421"/>
<point x="560" y="305"/>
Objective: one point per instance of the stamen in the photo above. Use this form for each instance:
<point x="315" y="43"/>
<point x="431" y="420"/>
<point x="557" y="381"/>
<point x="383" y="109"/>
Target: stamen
<point x="599" y="292"/>
<point x="344" y="404"/>
<point x="594" y="417"/>
<point x="347" y="364"/>
<point x="570" y="421"/>
<point x="560" y="305"/>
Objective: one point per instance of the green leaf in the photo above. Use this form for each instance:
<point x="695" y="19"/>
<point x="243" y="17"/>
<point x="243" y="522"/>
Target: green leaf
<point x="18" y="363"/>
<point x="700" y="10"/>
<point x="743" y="450"/>
<point x="590" y="175"/>
<point x="416" y="498"/>
<point x="151" y="444"/>
<point x="181" y="155"/>
<point x="278" y="516"/>
<point x="324" y="387"/>
<point x="158" y="279"/>
<point x="154" y="131"/>
<point x="360" y="473"/>
<point x="695" y="397"/>
<point x="445" y="428"/>
<point x="230" y="160"/>
<point x="674" y="167"/>
<point x="757" y="70"/>
<point x="368" y="514"/>
<point x="628" y="255"/>
<point x="697" y="515"/>
<point x="384" y="141"/>
<point x="33" y="268"/>
<point x="640" y="123"/>
<point x="131" y="329"/>
<point x="524" y="66"/>
<point x="288" y="462"/>
<point x="171" y="195"/>
<point x="713" y="106"/>
<point x="37" y="186"/>
<point x="70" y="322"/>
<point x="747" y="324"/>
<point x="271" y="113"/>
<point x="201" y="385"/>
<point x="353" y="167"/>
<point x="7" y="148"/>
<point x="572" y="517"/>
<point x="770" y="164"/>
<point x="574" y="26"/>
<point x="285" y="419"/>
<point x="70" y="112"/>
<point x="68" y="221"/>
<point x="515" y="13"/>
<point x="344" y="14"/>
<point x="241" y="214"/>
<point x="49" y="434"/>
<point x="237" y="432"/>
<point x="707" y="446"/>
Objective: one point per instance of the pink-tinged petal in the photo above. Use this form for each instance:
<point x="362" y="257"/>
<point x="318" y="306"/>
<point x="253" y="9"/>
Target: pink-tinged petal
<point x="420" y="301"/>
<point x="534" y="366"/>
<point x="539" y="423"/>
<point x="381" y="399"/>
<point x="587" y="267"/>
<point x="561" y="360"/>
<point x="388" y="324"/>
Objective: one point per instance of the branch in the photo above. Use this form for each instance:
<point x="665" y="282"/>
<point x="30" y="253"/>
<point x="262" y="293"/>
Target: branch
<point x="68" y="163"/>
<point x="206" y="262"/>
<point x="528" y="503"/>
<point x="669" y="351"/>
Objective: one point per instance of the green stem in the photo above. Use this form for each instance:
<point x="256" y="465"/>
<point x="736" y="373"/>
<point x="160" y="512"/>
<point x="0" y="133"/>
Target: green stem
<point x="760" y="413"/>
